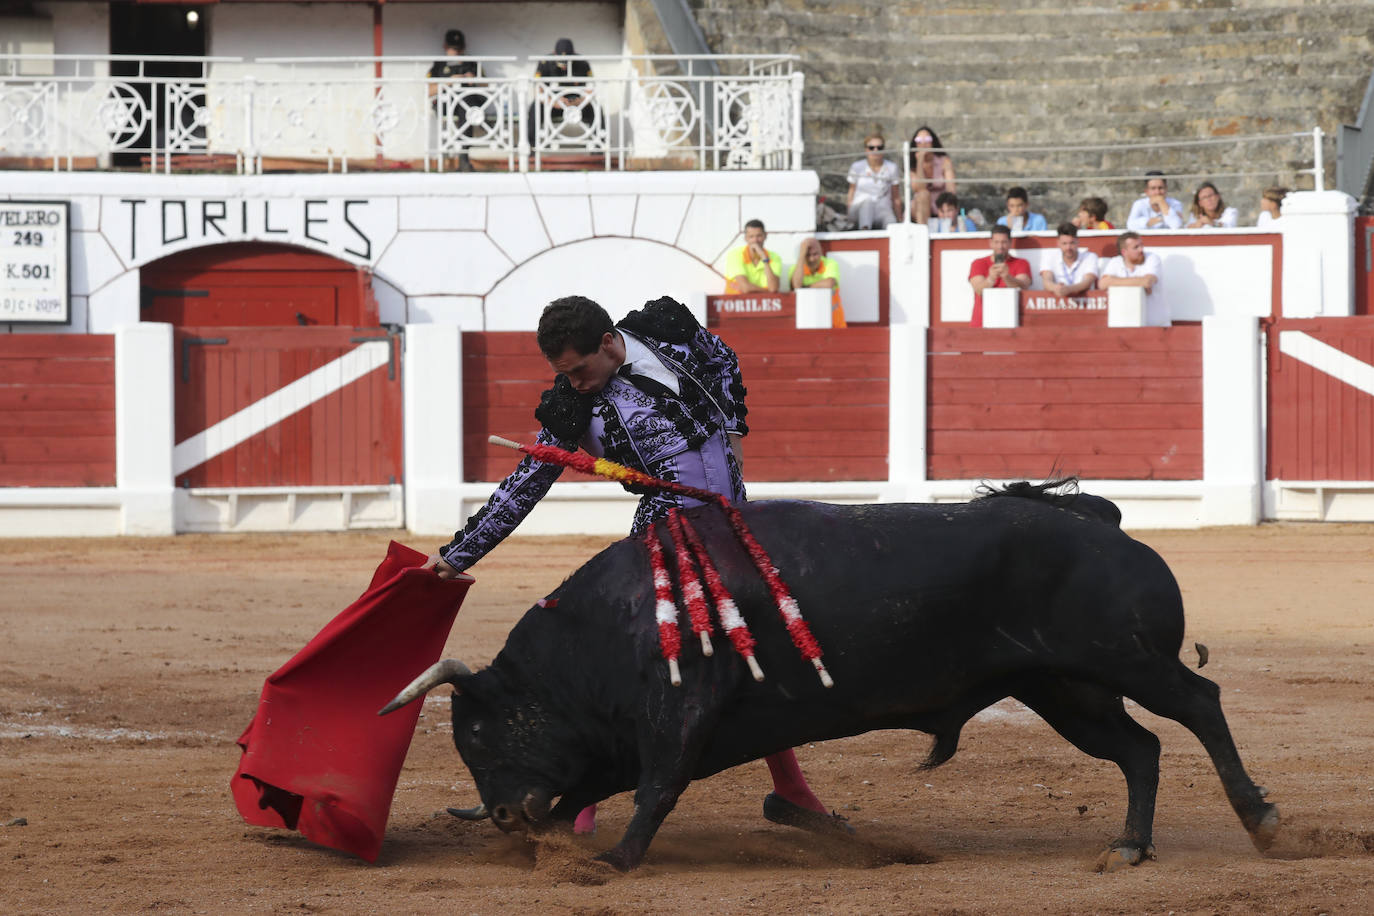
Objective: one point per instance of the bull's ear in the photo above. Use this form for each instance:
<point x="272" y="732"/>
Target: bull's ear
<point x="448" y="671"/>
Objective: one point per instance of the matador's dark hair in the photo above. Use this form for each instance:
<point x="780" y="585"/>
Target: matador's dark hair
<point x="572" y="321"/>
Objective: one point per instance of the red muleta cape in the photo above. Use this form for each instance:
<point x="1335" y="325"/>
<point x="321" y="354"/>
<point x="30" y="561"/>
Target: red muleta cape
<point x="316" y="757"/>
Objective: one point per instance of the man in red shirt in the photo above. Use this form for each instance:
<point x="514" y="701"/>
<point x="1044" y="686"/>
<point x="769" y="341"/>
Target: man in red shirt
<point x="997" y="271"/>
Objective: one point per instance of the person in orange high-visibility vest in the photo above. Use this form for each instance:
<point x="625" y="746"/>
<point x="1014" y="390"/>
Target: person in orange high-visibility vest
<point x="814" y="269"/>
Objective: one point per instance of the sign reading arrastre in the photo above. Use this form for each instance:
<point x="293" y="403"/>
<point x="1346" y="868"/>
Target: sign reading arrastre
<point x="34" y="262"/>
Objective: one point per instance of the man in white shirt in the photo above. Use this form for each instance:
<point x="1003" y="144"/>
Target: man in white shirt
<point x="1133" y="266"/>
<point x="1156" y="210"/>
<point x="1069" y="271"/>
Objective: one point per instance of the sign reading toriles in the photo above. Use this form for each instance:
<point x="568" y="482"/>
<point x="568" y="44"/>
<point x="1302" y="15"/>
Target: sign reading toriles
<point x="34" y="266"/>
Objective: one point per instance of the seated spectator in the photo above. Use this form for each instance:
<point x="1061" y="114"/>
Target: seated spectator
<point x="1069" y="271"/>
<point x="1133" y="266"/>
<point x="931" y="172"/>
<point x="751" y="268"/>
<point x="1209" y="211"/>
<point x="1092" y="214"/>
<point x="1018" y="217"/>
<point x="875" y="184"/>
<point x="814" y="270"/>
<point x="999" y="270"/>
<point x="451" y="67"/>
<point x="1271" y="202"/>
<point x="949" y="217"/>
<point x="1156" y="209"/>
<point x="568" y="96"/>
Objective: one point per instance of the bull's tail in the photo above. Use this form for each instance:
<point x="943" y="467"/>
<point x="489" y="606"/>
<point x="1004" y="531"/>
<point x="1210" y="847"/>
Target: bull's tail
<point x="942" y="748"/>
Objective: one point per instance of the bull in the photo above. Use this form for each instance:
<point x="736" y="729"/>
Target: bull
<point x="927" y="614"/>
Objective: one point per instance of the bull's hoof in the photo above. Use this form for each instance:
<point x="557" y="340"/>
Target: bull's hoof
<point x="1264" y="832"/>
<point x="619" y="859"/>
<point x="1122" y="856"/>
<point x="781" y="811"/>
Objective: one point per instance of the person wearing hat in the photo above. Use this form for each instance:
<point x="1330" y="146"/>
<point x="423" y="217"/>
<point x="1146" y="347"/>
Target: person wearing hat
<point x="455" y="66"/>
<point x="568" y="96"/>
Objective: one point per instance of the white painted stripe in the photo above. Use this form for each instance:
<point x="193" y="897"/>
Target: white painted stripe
<point x="1325" y="358"/>
<point x="280" y="404"/>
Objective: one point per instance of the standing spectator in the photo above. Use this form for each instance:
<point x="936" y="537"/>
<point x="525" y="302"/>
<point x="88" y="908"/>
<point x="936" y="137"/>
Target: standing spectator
<point x="996" y="271"/>
<point x="948" y="217"/>
<point x="1210" y="211"/>
<point x="1092" y="214"/>
<point x="1155" y="210"/>
<point x="1069" y="271"/>
<point x="875" y="184"/>
<point x="1133" y="266"/>
<point x="451" y="67"/>
<point x="814" y="270"/>
<point x="931" y="172"/>
<point x="570" y="95"/>
<point x="751" y="268"/>
<point x="1018" y="217"/>
<point x="1271" y="202"/>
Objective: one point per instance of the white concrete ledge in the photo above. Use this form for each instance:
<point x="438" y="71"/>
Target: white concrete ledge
<point x="1319" y="500"/>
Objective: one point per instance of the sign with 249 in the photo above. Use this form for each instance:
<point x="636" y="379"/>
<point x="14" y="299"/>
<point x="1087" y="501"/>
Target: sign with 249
<point x="34" y="262"/>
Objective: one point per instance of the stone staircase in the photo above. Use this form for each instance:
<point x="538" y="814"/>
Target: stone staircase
<point x="996" y="78"/>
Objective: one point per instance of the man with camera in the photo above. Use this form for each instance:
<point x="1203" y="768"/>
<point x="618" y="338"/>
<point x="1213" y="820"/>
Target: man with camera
<point x="999" y="270"/>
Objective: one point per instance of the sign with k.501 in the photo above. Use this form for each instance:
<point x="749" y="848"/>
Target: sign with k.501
<point x="34" y="262"/>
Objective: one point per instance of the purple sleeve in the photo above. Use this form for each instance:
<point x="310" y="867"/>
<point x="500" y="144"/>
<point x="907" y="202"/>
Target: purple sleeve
<point x="514" y="499"/>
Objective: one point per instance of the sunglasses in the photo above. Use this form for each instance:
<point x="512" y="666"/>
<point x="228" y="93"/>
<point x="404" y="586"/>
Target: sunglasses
<point x="924" y="141"/>
<point x="876" y="148"/>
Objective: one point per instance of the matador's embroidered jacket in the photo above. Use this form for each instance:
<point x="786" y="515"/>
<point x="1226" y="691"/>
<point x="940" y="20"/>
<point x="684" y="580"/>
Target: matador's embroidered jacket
<point x="680" y="437"/>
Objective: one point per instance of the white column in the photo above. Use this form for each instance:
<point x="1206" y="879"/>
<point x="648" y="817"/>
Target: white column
<point x="144" y="427"/>
<point x="813" y="308"/>
<point x="909" y="323"/>
<point x="1318" y="254"/>
<point x="433" y="385"/>
<point x="1000" y="308"/>
<point x="1126" y="307"/>
<point x="1231" y="430"/>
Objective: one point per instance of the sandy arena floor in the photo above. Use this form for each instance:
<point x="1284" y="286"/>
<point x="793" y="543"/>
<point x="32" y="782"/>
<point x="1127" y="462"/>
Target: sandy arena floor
<point x="128" y="668"/>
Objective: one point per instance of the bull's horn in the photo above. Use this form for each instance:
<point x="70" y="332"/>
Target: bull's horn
<point x="443" y="672"/>
<point x="478" y="813"/>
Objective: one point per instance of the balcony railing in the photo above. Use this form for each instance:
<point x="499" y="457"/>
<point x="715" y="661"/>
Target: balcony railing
<point x="166" y="114"/>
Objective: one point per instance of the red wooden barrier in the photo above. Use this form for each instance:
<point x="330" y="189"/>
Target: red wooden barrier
<point x="351" y="436"/>
<point x="817" y="401"/>
<point x="1117" y="404"/>
<point x="1321" y="399"/>
<point x="57" y="410"/>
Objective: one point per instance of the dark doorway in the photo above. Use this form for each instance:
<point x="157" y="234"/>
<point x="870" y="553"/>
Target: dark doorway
<point x="151" y="31"/>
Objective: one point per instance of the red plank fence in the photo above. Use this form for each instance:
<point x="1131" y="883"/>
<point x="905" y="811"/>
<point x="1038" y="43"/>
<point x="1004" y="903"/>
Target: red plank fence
<point x="1321" y="399"/>
<point x="817" y="401"/>
<point x="57" y="410"/>
<point x="1120" y="404"/>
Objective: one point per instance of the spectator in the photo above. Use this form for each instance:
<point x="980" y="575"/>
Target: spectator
<point x="814" y="270"/>
<point x="1092" y="214"/>
<point x="998" y="270"/>
<point x="1019" y="218"/>
<point x="874" y="187"/>
<point x="1133" y="266"/>
<point x="570" y="95"/>
<point x="1271" y="202"/>
<point x="1210" y="211"/>
<point x="751" y="268"/>
<point x="1156" y="209"/>
<point x="931" y="172"/>
<point x="451" y="67"/>
<point x="1069" y="271"/>
<point x="948" y="215"/>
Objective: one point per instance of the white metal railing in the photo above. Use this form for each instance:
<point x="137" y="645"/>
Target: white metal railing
<point x="234" y="114"/>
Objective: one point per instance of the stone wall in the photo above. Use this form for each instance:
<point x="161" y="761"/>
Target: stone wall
<point x="993" y="74"/>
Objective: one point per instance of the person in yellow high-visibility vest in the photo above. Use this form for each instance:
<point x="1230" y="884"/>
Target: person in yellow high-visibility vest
<point x="814" y="270"/>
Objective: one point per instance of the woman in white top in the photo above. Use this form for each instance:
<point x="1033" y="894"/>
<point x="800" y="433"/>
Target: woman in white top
<point x="1210" y="211"/>
<point x="1270" y="203"/>
<point x="874" y="183"/>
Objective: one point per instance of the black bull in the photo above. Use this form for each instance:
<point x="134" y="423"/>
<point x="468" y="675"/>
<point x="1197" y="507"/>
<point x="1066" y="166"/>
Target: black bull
<point x="926" y="615"/>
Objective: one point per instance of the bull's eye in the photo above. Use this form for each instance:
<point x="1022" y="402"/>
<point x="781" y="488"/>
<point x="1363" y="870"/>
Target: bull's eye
<point x="476" y="730"/>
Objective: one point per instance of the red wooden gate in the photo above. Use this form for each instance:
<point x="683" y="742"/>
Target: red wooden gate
<point x="1123" y="404"/>
<point x="1321" y="399"/>
<point x="287" y="407"/>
